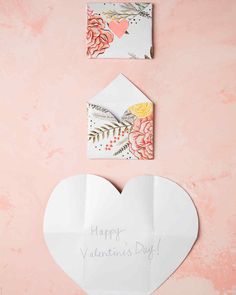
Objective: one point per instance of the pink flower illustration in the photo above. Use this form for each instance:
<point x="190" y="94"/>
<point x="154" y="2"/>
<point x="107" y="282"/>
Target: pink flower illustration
<point x="98" y="38"/>
<point x="141" y="138"/>
<point x="89" y="11"/>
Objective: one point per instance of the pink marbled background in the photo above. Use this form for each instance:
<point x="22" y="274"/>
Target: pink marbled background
<point x="45" y="80"/>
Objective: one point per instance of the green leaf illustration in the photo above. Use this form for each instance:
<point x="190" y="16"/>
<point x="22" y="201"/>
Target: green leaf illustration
<point x="129" y="10"/>
<point x="122" y="149"/>
<point x="113" y="128"/>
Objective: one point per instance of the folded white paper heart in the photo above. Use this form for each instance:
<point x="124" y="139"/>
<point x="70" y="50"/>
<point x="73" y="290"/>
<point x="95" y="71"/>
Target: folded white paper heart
<point x="113" y="243"/>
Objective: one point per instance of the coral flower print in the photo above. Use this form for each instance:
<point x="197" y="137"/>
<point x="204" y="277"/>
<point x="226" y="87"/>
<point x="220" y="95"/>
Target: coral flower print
<point x="141" y="138"/>
<point x="89" y="11"/>
<point x="98" y="38"/>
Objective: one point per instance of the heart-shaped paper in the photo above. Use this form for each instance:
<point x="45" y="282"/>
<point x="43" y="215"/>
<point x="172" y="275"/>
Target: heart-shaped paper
<point x="113" y="243"/>
<point x="119" y="27"/>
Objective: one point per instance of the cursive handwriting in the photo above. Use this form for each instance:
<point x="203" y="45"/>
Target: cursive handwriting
<point x="107" y="233"/>
<point x="139" y="248"/>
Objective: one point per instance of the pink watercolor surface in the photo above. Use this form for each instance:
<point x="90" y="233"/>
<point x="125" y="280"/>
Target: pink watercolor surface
<point x="45" y="81"/>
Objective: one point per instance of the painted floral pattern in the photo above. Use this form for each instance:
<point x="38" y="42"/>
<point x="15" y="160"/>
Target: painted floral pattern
<point x="129" y="138"/>
<point x="98" y="38"/>
<point x="108" y="23"/>
<point x="141" y="138"/>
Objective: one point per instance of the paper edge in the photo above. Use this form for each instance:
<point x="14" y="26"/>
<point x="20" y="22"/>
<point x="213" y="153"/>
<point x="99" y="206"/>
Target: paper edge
<point x="120" y="191"/>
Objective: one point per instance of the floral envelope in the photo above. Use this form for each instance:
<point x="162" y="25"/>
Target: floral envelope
<point x="120" y="123"/>
<point x="119" y="30"/>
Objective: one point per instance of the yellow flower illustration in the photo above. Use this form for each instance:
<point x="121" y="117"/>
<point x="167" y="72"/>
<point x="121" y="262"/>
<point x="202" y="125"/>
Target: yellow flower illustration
<point x="141" y="110"/>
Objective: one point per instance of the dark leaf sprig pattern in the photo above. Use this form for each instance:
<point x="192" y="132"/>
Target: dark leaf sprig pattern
<point x="98" y="108"/>
<point x="113" y="128"/>
<point x="151" y="54"/>
<point x="129" y="10"/>
<point x="128" y="116"/>
<point x="101" y="113"/>
<point x="122" y="149"/>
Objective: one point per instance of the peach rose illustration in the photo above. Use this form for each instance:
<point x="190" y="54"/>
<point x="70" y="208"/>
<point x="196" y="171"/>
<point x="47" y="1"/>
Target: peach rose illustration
<point x="141" y="138"/>
<point x="98" y="39"/>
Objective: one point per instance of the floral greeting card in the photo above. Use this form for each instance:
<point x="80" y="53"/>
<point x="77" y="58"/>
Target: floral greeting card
<point x="120" y="123"/>
<point x="119" y="30"/>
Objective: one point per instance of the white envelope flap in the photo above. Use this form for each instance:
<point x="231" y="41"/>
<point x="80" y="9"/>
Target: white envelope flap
<point x="118" y="96"/>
